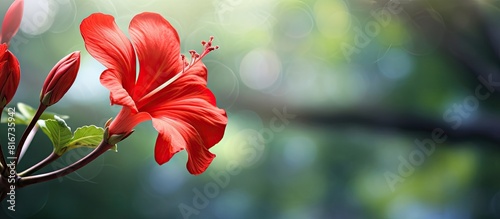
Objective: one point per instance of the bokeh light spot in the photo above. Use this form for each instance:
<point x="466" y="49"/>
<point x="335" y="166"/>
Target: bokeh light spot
<point x="260" y="69"/>
<point x="332" y="18"/>
<point x="38" y="16"/>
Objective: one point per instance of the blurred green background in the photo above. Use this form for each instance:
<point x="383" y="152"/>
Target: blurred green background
<point x="361" y="82"/>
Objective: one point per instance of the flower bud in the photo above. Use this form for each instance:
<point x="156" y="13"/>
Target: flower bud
<point x="12" y="21"/>
<point x="10" y="74"/>
<point x="60" y="79"/>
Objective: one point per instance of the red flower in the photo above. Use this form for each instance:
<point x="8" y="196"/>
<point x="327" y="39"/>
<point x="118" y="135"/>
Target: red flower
<point x="169" y="91"/>
<point x="9" y="66"/>
<point x="60" y="79"/>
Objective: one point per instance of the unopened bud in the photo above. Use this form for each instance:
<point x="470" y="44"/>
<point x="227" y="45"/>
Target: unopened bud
<point x="60" y="79"/>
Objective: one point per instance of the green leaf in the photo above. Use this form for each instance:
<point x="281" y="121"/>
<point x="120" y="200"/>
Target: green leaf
<point x="58" y="132"/>
<point x="87" y="136"/>
<point x="24" y="113"/>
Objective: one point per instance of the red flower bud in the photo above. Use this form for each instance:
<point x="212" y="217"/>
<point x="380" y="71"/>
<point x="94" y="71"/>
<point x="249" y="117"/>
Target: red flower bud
<point x="60" y="79"/>
<point x="10" y="74"/>
<point x="12" y="21"/>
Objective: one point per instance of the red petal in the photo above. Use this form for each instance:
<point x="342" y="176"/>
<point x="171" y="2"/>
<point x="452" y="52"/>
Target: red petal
<point x="3" y="50"/>
<point x="169" y="140"/>
<point x="111" y="79"/>
<point x="12" y="20"/>
<point x="189" y="100"/>
<point x="209" y="121"/>
<point x="158" y="49"/>
<point x="199" y="158"/>
<point x="196" y="76"/>
<point x="106" y="43"/>
<point x="187" y="119"/>
<point x="177" y="135"/>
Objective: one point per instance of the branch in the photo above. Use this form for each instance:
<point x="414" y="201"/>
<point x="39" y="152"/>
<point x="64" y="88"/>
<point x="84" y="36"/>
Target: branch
<point x="483" y="128"/>
<point x="49" y="159"/>
<point x="28" y="180"/>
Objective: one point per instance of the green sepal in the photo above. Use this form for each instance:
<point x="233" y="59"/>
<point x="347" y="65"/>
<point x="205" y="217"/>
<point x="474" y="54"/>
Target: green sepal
<point x="46" y="99"/>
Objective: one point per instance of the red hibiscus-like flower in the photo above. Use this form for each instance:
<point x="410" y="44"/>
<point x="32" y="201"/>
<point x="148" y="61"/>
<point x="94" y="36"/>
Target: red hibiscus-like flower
<point x="10" y="72"/>
<point x="168" y="90"/>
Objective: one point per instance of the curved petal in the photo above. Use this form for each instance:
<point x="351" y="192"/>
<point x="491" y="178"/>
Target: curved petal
<point x="158" y="49"/>
<point x="199" y="158"/>
<point x="106" y="43"/>
<point x="111" y="79"/>
<point x="188" y="120"/>
<point x="175" y="136"/>
<point x="12" y="20"/>
<point x="209" y="121"/>
<point x="169" y="141"/>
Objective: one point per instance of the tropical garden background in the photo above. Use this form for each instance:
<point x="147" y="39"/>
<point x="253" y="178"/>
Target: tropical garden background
<point x="337" y="109"/>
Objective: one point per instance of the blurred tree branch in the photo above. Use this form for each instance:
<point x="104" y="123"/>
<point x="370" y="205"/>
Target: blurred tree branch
<point x="460" y="45"/>
<point x="481" y="128"/>
<point x="471" y="40"/>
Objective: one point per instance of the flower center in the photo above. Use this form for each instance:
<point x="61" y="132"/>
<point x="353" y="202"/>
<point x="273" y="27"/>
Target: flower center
<point x="195" y="57"/>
